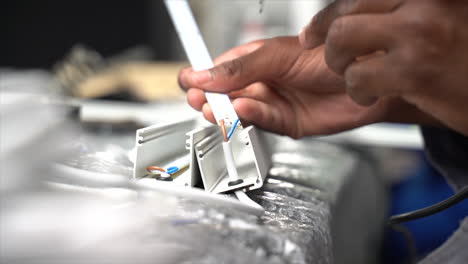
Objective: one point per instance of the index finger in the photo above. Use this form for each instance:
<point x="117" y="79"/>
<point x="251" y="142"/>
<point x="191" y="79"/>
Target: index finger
<point x="315" y="33"/>
<point x="184" y="79"/>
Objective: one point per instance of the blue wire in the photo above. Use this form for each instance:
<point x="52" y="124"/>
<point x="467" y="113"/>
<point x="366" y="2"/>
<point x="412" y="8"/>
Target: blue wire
<point x="232" y="129"/>
<point x="172" y="170"/>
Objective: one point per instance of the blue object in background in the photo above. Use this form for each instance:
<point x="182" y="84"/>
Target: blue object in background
<point x="424" y="187"/>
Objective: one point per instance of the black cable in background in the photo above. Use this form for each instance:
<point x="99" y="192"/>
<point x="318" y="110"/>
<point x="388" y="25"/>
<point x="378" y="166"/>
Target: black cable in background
<point x="394" y="221"/>
<point x="433" y="209"/>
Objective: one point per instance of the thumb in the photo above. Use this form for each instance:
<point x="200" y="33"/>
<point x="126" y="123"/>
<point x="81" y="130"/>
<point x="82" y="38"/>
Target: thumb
<point x="315" y="33"/>
<point x="263" y="64"/>
<point x="185" y="75"/>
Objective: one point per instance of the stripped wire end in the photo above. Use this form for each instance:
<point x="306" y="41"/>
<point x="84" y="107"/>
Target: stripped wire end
<point x="153" y="169"/>
<point x="231" y="132"/>
<point x="223" y="130"/>
<point x="172" y="170"/>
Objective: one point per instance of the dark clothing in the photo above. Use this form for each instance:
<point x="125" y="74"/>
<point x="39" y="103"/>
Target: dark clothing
<point x="448" y="152"/>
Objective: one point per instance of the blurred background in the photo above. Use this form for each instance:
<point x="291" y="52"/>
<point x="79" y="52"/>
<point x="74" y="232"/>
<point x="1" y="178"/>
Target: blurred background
<point x="116" y="59"/>
<point x="38" y="35"/>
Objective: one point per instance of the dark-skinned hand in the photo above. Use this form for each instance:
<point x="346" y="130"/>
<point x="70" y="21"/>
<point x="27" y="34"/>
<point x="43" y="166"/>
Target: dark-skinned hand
<point x="414" y="50"/>
<point x="278" y="86"/>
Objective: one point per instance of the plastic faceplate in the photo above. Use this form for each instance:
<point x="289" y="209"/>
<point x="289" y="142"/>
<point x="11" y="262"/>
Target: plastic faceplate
<point x="159" y="144"/>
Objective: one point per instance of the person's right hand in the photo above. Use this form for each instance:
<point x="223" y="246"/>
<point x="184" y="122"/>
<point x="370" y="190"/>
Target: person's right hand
<point x="315" y="33"/>
<point x="278" y="86"/>
<point x="413" y="49"/>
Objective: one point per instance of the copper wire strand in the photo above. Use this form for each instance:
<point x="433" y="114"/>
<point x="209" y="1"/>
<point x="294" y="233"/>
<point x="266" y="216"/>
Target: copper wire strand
<point x="150" y="169"/>
<point x="223" y="130"/>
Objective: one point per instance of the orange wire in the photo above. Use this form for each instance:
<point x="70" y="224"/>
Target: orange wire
<point x="154" y="168"/>
<point x="223" y="130"/>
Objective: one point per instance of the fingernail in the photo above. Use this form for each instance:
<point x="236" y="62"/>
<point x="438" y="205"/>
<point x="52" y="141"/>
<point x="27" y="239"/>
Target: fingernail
<point x="301" y="31"/>
<point x="303" y="39"/>
<point x="206" y="107"/>
<point x="201" y="77"/>
<point x="302" y="36"/>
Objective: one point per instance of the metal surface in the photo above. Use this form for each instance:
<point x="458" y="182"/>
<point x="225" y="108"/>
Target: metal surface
<point x="323" y="204"/>
<point x="250" y="157"/>
<point x="194" y="137"/>
<point x="158" y="145"/>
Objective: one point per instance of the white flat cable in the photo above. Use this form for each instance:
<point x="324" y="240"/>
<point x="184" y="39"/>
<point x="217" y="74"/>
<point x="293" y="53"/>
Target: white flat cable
<point x="200" y="195"/>
<point x="231" y="167"/>
<point x="233" y="176"/>
<point x="243" y="198"/>
<point x="198" y="55"/>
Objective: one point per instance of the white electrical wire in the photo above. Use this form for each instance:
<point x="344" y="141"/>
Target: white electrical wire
<point x="230" y="165"/>
<point x="178" y="164"/>
<point x="198" y="55"/>
<point x="200" y="195"/>
<point x="243" y="198"/>
<point x="233" y="176"/>
<point x="94" y="180"/>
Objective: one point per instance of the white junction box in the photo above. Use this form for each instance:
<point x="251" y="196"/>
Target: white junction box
<point x="200" y="149"/>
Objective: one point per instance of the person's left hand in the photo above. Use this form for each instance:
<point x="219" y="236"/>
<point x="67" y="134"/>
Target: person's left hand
<point x="416" y="50"/>
<point x="277" y="85"/>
